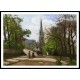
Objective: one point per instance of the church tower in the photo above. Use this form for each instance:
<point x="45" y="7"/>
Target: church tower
<point x="41" y="37"/>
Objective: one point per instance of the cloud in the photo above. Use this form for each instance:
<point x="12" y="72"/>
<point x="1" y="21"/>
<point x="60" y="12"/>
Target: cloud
<point x="35" y="25"/>
<point x="48" y="23"/>
<point x="36" y="20"/>
<point x="32" y="22"/>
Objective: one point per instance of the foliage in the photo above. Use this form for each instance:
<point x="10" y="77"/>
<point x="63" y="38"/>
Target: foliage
<point x="61" y="39"/>
<point x="26" y="33"/>
<point x="58" y="62"/>
<point x="50" y="47"/>
<point x="73" y="62"/>
<point x="5" y="45"/>
<point x="13" y="33"/>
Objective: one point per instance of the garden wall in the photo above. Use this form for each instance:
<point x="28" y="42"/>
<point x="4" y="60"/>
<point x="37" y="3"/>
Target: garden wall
<point x="12" y="51"/>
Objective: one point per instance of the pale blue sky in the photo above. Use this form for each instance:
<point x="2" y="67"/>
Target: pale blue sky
<point x="32" y="22"/>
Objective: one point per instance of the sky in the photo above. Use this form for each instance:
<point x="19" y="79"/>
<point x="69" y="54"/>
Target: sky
<point x="32" y="22"/>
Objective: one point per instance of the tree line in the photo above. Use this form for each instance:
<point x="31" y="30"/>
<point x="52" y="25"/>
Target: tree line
<point x="60" y="40"/>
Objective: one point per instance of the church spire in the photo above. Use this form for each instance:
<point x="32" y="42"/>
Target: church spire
<point x="41" y="37"/>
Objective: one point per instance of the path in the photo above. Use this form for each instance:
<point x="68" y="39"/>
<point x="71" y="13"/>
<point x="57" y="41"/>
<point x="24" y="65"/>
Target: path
<point x="22" y="58"/>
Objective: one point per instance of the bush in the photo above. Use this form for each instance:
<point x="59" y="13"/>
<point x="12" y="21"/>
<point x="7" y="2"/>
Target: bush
<point x="58" y="62"/>
<point x="73" y="62"/>
<point x="5" y="45"/>
<point x="17" y="46"/>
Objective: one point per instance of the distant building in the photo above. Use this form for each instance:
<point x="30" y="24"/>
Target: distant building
<point x="30" y="44"/>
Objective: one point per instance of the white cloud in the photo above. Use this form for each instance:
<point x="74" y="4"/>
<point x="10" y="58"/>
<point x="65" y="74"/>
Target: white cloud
<point x="48" y="23"/>
<point x="35" y="25"/>
<point x="36" y="20"/>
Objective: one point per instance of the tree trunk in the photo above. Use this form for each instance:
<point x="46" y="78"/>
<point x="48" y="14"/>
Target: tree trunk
<point x="5" y="34"/>
<point x="69" y="41"/>
<point x="8" y="33"/>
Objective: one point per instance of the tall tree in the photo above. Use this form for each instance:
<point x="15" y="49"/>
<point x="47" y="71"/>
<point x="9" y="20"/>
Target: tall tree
<point x="13" y="33"/>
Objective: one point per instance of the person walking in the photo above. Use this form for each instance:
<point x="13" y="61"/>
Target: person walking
<point x="33" y="55"/>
